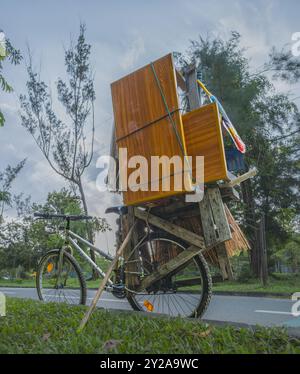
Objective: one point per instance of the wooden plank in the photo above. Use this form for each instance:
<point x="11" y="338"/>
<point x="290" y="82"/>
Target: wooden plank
<point x="213" y="217"/>
<point x="251" y="173"/>
<point x="102" y="285"/>
<point x="194" y="98"/>
<point x="203" y="137"/>
<point x="223" y="232"/>
<point x="208" y="224"/>
<point x="180" y="80"/>
<point x="186" y="235"/>
<point x="129" y="255"/>
<point x="224" y="263"/>
<point x="170" y="266"/>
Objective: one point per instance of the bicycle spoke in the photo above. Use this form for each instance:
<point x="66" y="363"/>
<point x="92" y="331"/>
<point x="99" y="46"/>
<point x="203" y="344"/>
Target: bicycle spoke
<point x="177" y="294"/>
<point x="59" y="290"/>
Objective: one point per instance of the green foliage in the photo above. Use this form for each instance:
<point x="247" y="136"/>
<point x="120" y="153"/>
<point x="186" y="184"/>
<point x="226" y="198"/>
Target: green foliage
<point x="284" y="65"/>
<point x="264" y="118"/>
<point x="241" y="267"/>
<point x="51" y="328"/>
<point x="6" y="179"/>
<point x="277" y="283"/>
<point x="25" y="240"/>
<point x="14" y="57"/>
<point x="290" y="253"/>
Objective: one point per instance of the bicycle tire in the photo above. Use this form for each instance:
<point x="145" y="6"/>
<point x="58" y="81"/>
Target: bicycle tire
<point x="73" y="262"/>
<point x="204" y="271"/>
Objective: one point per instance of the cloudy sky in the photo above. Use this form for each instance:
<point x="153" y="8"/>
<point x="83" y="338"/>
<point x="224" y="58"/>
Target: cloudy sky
<point x="124" y="36"/>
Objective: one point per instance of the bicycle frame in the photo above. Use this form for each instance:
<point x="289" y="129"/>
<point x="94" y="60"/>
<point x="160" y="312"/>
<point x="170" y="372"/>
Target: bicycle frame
<point x="70" y="237"/>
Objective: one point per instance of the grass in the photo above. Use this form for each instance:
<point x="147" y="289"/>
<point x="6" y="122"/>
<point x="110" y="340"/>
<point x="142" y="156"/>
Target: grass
<point x="277" y="283"/>
<point x="30" y="283"/>
<point x="35" y="327"/>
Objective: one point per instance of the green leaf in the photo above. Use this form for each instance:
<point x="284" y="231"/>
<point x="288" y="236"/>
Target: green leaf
<point x="2" y="119"/>
<point x="4" y="85"/>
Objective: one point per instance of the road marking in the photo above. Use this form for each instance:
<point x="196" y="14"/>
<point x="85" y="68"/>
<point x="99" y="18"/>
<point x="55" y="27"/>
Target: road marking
<point x="273" y="312"/>
<point x="114" y="301"/>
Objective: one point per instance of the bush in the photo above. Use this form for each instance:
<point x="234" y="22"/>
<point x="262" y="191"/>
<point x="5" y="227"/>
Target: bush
<point x="241" y="267"/>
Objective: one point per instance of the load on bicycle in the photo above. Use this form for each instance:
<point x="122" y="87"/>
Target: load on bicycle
<point x="175" y="220"/>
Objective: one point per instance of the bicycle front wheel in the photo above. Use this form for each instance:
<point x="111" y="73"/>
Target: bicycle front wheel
<point x="67" y="285"/>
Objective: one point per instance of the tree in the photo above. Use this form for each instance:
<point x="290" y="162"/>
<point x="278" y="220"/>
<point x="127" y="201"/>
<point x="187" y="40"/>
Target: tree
<point x="263" y="118"/>
<point x="6" y="179"/>
<point x="290" y="253"/>
<point x="64" y="144"/>
<point x="23" y="241"/>
<point x="14" y="57"/>
<point x="283" y="65"/>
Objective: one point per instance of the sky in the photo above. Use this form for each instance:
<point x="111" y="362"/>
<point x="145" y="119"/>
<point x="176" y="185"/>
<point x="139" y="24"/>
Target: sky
<point x="124" y="35"/>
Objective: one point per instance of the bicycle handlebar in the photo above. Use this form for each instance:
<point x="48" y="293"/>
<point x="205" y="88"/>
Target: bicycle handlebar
<point x="61" y="216"/>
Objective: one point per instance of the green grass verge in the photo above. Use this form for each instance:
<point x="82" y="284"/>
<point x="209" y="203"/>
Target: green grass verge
<point x="17" y="283"/>
<point x="278" y="283"/>
<point x="35" y="327"/>
<point x="30" y="283"/>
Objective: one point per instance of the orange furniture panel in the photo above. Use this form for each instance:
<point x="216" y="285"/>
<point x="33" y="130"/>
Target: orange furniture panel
<point x="137" y="101"/>
<point x="203" y="137"/>
<point x="142" y="122"/>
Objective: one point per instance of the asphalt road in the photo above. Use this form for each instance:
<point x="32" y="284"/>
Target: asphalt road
<point x="249" y="310"/>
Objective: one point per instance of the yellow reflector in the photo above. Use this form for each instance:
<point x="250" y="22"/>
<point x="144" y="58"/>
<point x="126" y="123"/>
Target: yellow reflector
<point x="148" y="305"/>
<point x="50" y="267"/>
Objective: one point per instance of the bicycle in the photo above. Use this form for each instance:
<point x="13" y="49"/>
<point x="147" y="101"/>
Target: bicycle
<point x="184" y="292"/>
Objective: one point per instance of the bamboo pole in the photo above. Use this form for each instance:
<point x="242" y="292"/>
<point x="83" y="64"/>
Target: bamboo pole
<point x="104" y="281"/>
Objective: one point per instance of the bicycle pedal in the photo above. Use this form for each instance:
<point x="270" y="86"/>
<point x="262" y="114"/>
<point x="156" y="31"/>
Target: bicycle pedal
<point x="118" y="290"/>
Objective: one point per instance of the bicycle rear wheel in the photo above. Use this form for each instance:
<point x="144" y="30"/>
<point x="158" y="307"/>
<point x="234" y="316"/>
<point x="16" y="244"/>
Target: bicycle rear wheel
<point x="70" y="288"/>
<point x="185" y="292"/>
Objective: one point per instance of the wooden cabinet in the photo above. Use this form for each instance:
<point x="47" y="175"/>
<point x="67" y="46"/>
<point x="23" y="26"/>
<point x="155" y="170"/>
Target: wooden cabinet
<point x="149" y="122"/>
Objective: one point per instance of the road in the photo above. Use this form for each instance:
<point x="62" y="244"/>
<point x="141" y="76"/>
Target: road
<point x="241" y="309"/>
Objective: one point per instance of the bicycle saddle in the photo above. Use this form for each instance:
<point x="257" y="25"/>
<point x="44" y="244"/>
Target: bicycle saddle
<point x="121" y="209"/>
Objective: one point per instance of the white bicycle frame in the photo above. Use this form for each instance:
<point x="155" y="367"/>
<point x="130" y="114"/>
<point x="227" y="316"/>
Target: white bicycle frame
<point x="72" y="238"/>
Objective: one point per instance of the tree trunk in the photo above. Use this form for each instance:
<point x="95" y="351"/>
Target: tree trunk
<point x="263" y="247"/>
<point x="250" y="218"/>
<point x="88" y="228"/>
